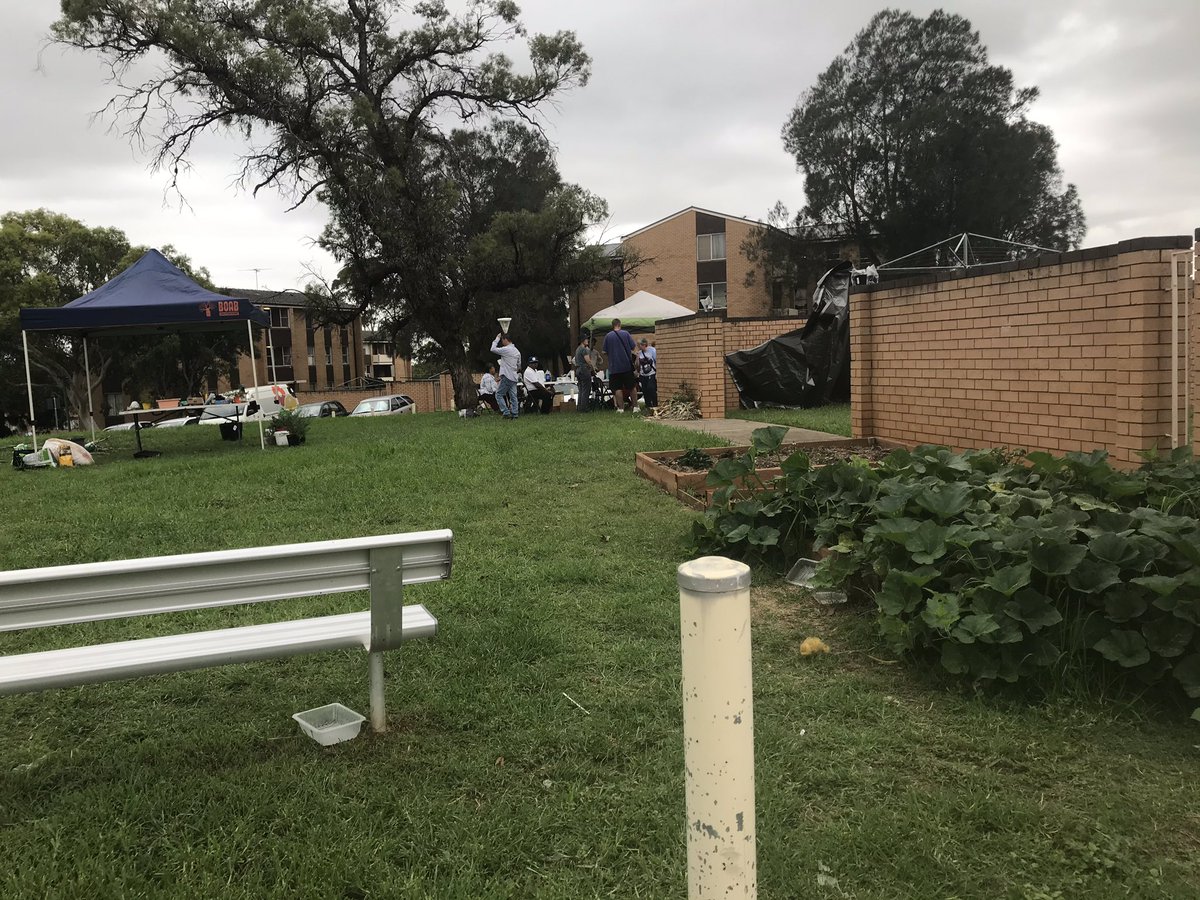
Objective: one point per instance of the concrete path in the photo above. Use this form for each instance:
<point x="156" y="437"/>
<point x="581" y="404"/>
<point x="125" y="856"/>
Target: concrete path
<point x="737" y="431"/>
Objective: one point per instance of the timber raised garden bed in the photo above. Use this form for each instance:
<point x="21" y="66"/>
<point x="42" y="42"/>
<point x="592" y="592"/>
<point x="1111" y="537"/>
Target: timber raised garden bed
<point x="687" y="484"/>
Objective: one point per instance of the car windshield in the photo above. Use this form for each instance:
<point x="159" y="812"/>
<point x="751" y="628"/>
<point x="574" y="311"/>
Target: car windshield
<point x="309" y="409"/>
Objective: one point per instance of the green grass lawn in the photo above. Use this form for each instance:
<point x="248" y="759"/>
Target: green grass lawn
<point x="491" y="784"/>
<point x="834" y="418"/>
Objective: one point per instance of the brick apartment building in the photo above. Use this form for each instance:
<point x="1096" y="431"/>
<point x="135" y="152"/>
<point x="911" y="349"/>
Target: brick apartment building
<point x="694" y="258"/>
<point x="312" y="356"/>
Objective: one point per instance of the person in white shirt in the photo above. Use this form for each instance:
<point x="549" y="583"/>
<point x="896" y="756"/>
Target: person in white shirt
<point x="539" y="396"/>
<point x="488" y="386"/>
<point x="510" y="365"/>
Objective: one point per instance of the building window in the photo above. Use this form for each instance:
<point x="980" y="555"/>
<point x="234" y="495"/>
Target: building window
<point x="280" y="317"/>
<point x="712" y="296"/>
<point x="710" y="246"/>
<point x="312" y="353"/>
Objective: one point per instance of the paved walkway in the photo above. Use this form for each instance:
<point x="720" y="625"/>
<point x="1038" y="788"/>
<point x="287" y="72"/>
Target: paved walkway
<point x="737" y="431"/>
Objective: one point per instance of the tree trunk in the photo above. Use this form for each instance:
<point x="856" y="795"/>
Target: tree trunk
<point x="466" y="391"/>
<point x="77" y="400"/>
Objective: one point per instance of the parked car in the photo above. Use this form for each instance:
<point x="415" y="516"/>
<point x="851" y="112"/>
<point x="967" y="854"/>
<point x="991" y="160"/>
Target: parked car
<point x="251" y="405"/>
<point x="178" y="422"/>
<point x="390" y="405"/>
<point x="322" y="410"/>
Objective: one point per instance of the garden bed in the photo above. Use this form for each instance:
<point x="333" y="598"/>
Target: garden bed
<point x="688" y="484"/>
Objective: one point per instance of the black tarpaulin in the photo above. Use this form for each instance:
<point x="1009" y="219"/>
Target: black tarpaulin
<point x="806" y="367"/>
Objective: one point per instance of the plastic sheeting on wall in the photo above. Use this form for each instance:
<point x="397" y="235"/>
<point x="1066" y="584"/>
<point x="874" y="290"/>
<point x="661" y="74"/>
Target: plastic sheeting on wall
<point x="806" y="367"/>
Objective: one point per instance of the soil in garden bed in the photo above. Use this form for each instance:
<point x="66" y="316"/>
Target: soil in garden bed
<point x="818" y="456"/>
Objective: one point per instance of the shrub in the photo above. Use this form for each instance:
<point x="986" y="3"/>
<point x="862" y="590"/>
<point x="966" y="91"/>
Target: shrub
<point x="1003" y="565"/>
<point x="290" y="421"/>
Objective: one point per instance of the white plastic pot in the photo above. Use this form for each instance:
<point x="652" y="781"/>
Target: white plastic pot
<point x="330" y="724"/>
<point x="281" y="438"/>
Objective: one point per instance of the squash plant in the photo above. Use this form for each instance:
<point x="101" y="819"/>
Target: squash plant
<point x="1005" y="565"/>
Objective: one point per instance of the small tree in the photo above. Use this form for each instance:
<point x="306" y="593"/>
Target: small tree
<point x="911" y="136"/>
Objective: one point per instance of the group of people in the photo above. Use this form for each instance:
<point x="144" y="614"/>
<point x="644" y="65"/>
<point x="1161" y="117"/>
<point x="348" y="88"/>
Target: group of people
<point x="631" y="365"/>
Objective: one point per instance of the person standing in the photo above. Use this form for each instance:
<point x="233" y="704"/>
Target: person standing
<point x="648" y="373"/>
<point x="584" y="369"/>
<point x="488" y="386"/>
<point x="510" y="368"/>
<point x="620" y="349"/>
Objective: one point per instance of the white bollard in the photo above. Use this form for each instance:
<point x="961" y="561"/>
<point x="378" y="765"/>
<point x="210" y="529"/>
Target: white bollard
<point x="718" y="728"/>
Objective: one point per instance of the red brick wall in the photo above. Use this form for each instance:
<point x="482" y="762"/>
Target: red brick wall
<point x="693" y="350"/>
<point x="430" y="396"/>
<point x="1071" y="354"/>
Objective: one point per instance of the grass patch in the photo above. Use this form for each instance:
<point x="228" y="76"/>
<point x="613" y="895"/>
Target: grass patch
<point x="491" y="784"/>
<point x="834" y="418"/>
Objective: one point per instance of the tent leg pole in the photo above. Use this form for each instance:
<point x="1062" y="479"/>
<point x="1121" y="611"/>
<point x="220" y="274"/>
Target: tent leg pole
<point x="262" y="438"/>
<point x="87" y="374"/>
<point x="29" y="390"/>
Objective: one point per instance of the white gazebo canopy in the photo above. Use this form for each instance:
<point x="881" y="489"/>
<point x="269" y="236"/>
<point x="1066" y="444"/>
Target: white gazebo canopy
<point x="640" y="310"/>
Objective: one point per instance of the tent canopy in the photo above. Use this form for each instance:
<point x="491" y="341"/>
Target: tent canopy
<point x="150" y="295"/>
<point x="640" y="310"/>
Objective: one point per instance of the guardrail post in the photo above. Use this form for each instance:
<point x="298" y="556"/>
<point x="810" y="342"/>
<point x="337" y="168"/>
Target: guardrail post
<point x="718" y="728"/>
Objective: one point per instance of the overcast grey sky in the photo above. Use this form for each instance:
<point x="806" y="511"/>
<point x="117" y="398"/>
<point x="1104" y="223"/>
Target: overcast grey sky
<point x="685" y="107"/>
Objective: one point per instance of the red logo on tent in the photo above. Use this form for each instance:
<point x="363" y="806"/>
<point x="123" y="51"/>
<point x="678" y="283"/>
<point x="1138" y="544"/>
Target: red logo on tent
<point x="206" y="308"/>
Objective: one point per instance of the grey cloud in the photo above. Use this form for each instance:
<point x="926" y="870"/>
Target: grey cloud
<point x="685" y="107"/>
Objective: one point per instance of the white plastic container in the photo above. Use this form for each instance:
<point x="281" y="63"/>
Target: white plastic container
<point x="281" y="438"/>
<point x="330" y="724"/>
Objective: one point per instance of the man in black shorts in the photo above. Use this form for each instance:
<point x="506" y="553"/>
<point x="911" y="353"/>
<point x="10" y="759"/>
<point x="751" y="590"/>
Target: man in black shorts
<point x="619" y="348"/>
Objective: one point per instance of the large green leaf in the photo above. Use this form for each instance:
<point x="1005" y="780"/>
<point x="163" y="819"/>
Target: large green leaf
<point x="927" y="543"/>
<point x="1126" y="648"/>
<point x="897" y="595"/>
<point x="1034" y="609"/>
<point x="945" y="500"/>
<point x="1113" y="548"/>
<point x="1092" y="577"/>
<point x="1042" y="652"/>
<point x="897" y="530"/>
<point x="1010" y="579"/>
<point x="941" y="612"/>
<point x="1160" y="584"/>
<point x="737" y="533"/>
<point x="1056" y="558"/>
<point x="1123" y="605"/>
<point x="769" y="439"/>
<point x="796" y="464"/>
<point x="1168" y="636"/>
<point x="764" y="536"/>
<point x="954" y="658"/>
<point x="973" y="627"/>
<point x="1181" y="606"/>
<point x="1187" y="673"/>
<point x="727" y="471"/>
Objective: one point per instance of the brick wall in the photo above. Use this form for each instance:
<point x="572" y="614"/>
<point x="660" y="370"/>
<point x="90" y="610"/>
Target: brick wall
<point x="433" y="395"/>
<point x="1064" y="352"/>
<point x="693" y="350"/>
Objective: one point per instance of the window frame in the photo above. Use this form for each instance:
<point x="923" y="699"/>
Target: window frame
<point x="712" y="285"/>
<point x="707" y="239"/>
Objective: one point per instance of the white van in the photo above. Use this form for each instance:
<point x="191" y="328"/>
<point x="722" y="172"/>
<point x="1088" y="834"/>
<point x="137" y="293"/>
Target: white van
<point x="251" y="405"/>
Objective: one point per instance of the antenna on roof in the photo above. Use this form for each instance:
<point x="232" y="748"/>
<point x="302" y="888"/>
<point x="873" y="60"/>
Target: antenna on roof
<point x="256" y="271"/>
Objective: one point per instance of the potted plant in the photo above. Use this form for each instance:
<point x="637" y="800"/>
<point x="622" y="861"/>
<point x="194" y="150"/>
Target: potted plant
<point x="295" y="425"/>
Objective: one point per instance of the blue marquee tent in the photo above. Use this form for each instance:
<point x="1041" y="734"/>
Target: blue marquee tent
<point x="152" y="295"/>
